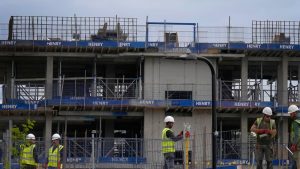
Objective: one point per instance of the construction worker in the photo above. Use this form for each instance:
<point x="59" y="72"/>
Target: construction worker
<point x="55" y="153"/>
<point x="168" y="142"/>
<point x="265" y="129"/>
<point x="28" y="153"/>
<point x="295" y="135"/>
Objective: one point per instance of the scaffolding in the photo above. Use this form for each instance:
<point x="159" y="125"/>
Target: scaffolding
<point x="281" y="32"/>
<point x="56" y="28"/>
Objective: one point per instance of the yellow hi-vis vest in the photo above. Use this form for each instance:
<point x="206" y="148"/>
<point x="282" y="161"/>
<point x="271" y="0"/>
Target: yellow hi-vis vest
<point x="260" y="119"/>
<point x="54" y="156"/>
<point x="26" y="155"/>
<point x="168" y="145"/>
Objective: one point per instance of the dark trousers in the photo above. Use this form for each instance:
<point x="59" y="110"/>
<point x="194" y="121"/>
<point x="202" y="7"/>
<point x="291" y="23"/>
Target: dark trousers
<point x="261" y="152"/>
<point x="26" y="166"/>
<point x="293" y="164"/>
<point x="169" y="160"/>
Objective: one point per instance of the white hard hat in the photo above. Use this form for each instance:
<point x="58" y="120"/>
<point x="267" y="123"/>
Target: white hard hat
<point x="30" y="136"/>
<point x="267" y="111"/>
<point x="169" y="119"/>
<point x="55" y="136"/>
<point x="293" y="108"/>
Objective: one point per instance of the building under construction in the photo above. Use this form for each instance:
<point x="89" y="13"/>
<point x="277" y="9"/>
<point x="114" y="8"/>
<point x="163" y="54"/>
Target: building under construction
<point x="119" y="78"/>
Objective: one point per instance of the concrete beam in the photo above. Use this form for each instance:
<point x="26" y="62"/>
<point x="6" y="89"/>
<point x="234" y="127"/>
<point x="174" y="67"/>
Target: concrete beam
<point x="265" y="59"/>
<point x="273" y="59"/>
<point x="98" y="113"/>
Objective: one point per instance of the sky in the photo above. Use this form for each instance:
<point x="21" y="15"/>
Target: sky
<point x="203" y="12"/>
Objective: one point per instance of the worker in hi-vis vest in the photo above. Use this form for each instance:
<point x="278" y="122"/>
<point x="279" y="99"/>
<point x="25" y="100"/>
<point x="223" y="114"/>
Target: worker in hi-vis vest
<point x="293" y="111"/>
<point x="265" y="129"/>
<point x="55" y="153"/>
<point x="28" y="153"/>
<point x="168" y="142"/>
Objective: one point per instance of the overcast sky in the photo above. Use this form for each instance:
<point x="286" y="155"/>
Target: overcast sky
<point x="204" y="12"/>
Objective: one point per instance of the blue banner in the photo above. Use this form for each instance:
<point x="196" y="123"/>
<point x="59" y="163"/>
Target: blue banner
<point x="199" y="47"/>
<point x="148" y="103"/>
<point x="18" y="106"/>
<point x="183" y="103"/>
<point x="126" y="160"/>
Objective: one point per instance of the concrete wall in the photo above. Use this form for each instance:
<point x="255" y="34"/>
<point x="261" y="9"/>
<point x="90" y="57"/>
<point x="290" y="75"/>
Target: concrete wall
<point x="200" y="122"/>
<point x="161" y="75"/>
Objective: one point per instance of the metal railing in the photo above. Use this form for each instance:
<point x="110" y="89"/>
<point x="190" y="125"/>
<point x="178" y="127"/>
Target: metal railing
<point x="256" y="90"/>
<point x="129" y="88"/>
<point x="132" y="88"/>
<point x="127" y="29"/>
<point x="146" y="153"/>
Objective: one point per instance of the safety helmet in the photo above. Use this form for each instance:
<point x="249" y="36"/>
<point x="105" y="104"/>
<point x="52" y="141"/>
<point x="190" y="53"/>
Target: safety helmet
<point x="267" y="111"/>
<point x="56" y="136"/>
<point x="30" y="136"/>
<point x="169" y="119"/>
<point x="293" y="108"/>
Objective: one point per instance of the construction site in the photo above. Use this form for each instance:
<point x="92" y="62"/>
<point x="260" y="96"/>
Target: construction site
<point x="105" y="84"/>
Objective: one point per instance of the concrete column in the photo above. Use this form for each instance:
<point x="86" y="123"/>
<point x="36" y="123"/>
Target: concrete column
<point x="283" y="135"/>
<point x="10" y="91"/>
<point x="244" y="79"/>
<point x="140" y="86"/>
<point x="244" y="135"/>
<point x="10" y="124"/>
<point x="59" y="86"/>
<point x="8" y="85"/>
<point x="94" y="91"/>
<point x="49" y="77"/>
<point x="282" y="91"/>
<point x="48" y="130"/>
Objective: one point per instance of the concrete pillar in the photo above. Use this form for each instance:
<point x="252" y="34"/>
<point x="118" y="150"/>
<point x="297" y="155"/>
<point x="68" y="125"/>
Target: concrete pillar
<point x="48" y="130"/>
<point x="94" y="91"/>
<point x="59" y="86"/>
<point x="140" y="86"/>
<point x="7" y="87"/>
<point x="10" y="124"/>
<point x="283" y="135"/>
<point x="244" y="79"/>
<point x="49" y="77"/>
<point x="282" y="91"/>
<point x="244" y="136"/>
<point x="10" y="91"/>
